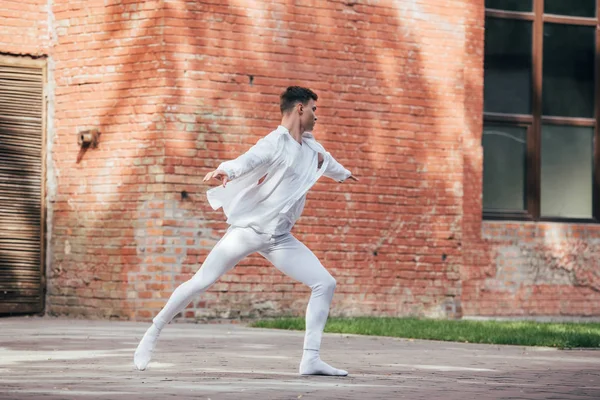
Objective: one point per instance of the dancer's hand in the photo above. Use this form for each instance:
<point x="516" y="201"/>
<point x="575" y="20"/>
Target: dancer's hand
<point x="217" y="174"/>
<point x="355" y="179"/>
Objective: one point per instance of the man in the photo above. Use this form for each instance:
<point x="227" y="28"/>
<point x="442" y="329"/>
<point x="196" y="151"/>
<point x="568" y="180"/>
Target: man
<point x="262" y="194"/>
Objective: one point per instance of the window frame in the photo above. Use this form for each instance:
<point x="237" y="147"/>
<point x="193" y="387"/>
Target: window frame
<point x="536" y="120"/>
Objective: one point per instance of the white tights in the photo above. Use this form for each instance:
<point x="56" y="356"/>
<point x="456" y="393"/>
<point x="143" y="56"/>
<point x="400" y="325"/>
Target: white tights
<point x="288" y="255"/>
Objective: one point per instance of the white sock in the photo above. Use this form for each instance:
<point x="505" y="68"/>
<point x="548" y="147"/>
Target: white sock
<point x="143" y="353"/>
<point x="311" y="364"/>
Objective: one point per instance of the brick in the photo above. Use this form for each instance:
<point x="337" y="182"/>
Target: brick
<point x="401" y="104"/>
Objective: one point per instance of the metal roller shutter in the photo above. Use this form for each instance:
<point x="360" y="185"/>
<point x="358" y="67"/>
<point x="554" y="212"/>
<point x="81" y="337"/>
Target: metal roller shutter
<point x="21" y="192"/>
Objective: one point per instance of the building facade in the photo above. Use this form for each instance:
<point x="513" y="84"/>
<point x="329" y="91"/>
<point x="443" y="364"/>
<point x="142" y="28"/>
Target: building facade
<point x="473" y="132"/>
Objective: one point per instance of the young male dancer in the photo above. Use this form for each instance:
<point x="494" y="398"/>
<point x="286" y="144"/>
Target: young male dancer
<point x="263" y="194"/>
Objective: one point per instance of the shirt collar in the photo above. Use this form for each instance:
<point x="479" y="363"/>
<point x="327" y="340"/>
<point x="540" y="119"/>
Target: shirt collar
<point x="286" y="130"/>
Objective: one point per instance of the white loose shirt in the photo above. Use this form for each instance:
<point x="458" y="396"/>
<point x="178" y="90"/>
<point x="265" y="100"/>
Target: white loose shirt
<point x="272" y="205"/>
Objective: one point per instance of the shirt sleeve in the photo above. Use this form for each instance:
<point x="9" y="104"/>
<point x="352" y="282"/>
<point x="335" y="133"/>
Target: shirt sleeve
<point x="335" y="170"/>
<point x="262" y="152"/>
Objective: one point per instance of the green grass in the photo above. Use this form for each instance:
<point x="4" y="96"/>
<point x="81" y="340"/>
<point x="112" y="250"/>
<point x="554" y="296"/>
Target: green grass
<point x="522" y="333"/>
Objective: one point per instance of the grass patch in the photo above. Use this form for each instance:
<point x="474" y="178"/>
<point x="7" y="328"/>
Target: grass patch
<point x="522" y="333"/>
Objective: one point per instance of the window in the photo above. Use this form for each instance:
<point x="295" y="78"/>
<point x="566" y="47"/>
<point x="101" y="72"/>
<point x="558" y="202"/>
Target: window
<point x="541" y="146"/>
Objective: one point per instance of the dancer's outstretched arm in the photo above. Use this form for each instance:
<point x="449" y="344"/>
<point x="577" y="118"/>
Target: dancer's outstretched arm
<point x="335" y="170"/>
<point x="261" y="153"/>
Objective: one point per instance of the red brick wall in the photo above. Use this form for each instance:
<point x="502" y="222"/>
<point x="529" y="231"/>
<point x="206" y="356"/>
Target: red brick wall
<point x="390" y="109"/>
<point x="534" y="269"/>
<point x="24" y="27"/>
<point x="176" y="87"/>
<point x="107" y="75"/>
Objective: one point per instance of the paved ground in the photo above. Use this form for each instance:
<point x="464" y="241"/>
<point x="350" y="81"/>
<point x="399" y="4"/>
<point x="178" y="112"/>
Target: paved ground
<point x="44" y="358"/>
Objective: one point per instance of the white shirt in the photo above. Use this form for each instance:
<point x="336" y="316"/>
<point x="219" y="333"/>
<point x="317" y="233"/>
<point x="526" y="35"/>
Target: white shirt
<point x="289" y="170"/>
<point x="305" y="160"/>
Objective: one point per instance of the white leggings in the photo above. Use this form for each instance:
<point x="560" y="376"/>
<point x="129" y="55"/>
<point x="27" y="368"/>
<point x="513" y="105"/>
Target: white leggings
<point x="285" y="252"/>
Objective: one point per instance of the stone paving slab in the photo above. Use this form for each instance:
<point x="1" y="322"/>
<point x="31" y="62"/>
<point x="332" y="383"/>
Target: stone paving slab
<point x="47" y="358"/>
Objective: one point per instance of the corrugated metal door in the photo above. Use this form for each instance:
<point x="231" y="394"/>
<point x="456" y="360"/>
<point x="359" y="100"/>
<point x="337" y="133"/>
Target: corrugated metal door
<point x="21" y="187"/>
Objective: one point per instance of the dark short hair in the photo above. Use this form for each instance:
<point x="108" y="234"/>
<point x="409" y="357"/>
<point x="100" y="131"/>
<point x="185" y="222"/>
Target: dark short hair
<point x="294" y="95"/>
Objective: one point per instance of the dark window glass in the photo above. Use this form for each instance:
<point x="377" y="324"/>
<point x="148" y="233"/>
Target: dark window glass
<point x="568" y="79"/>
<point x="574" y="8"/>
<point x="507" y="66"/>
<point x="510" y="5"/>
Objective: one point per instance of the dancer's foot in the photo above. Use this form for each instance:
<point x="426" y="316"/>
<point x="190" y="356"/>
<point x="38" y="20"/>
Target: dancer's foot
<point x="312" y="364"/>
<point x="143" y="353"/>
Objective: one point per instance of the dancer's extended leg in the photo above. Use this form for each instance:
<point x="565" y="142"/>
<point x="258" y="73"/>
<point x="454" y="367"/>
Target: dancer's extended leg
<point x="231" y="249"/>
<point x="294" y="259"/>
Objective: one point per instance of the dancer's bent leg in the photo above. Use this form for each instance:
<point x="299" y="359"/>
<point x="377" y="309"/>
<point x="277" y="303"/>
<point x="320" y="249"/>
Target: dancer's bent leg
<point x="231" y="249"/>
<point x="294" y="259"/>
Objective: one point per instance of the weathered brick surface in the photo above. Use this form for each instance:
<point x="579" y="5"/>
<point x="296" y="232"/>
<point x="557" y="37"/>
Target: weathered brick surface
<point x="389" y="110"/>
<point x="24" y="27"/>
<point x="176" y="87"/>
<point x="107" y="60"/>
<point x="541" y="269"/>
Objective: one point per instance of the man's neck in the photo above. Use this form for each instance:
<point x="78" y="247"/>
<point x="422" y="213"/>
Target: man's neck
<point x="294" y="129"/>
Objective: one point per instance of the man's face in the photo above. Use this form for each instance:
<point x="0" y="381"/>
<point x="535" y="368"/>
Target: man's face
<point x="308" y="115"/>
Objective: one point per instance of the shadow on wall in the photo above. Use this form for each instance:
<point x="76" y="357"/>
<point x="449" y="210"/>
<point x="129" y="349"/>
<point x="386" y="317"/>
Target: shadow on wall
<point x="114" y="87"/>
<point x="386" y="110"/>
<point x="207" y="90"/>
